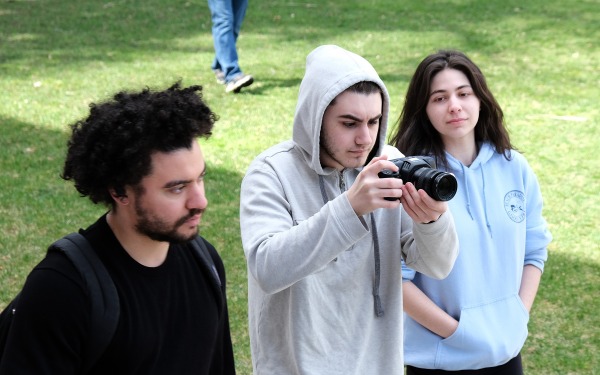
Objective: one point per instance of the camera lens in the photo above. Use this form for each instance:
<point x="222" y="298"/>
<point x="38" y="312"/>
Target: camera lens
<point x="445" y="186"/>
<point x="440" y="186"/>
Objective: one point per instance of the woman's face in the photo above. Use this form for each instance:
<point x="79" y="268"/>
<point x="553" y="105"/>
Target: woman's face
<point x="452" y="107"/>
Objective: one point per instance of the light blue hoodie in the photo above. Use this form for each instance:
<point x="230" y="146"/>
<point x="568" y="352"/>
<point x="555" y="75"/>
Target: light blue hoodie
<point x="498" y="214"/>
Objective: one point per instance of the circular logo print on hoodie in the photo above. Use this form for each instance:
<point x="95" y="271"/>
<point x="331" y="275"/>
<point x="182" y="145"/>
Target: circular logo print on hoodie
<point x="514" y="204"/>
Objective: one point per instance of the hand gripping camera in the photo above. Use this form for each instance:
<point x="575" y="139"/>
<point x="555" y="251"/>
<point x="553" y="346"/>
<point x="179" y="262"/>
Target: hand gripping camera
<point x="420" y="170"/>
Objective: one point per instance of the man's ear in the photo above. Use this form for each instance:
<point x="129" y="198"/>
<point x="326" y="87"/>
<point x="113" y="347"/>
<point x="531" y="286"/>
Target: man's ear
<point x="118" y="194"/>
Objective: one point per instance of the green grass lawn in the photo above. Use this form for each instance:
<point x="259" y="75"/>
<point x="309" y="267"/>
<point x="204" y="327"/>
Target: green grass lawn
<point x="541" y="58"/>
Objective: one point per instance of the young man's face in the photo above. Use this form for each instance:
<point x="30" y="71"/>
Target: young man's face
<point x="170" y="201"/>
<point x="350" y="128"/>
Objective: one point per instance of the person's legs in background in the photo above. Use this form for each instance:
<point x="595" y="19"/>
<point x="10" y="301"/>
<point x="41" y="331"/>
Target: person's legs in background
<point x="227" y="18"/>
<point x="239" y="12"/>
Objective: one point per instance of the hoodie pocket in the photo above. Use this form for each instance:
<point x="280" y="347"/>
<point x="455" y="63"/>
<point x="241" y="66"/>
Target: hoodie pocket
<point x="487" y="335"/>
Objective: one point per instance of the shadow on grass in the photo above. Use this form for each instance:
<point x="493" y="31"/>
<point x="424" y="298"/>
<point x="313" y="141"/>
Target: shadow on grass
<point x="268" y="84"/>
<point x="67" y="33"/>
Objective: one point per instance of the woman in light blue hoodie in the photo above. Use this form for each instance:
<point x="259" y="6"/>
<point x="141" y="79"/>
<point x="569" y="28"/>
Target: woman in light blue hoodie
<point x="476" y="318"/>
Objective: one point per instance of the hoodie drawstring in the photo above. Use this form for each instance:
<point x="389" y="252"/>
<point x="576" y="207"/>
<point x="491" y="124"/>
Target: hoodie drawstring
<point x="464" y="176"/>
<point x="485" y="211"/>
<point x="468" y="196"/>
<point x="376" y="297"/>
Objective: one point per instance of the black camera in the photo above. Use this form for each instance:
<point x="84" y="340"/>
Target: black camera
<point x="420" y="170"/>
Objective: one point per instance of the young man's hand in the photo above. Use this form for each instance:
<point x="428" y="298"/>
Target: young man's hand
<point x="420" y="206"/>
<point x="369" y="191"/>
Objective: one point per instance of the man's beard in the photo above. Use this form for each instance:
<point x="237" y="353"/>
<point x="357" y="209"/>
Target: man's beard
<point x="158" y="230"/>
<point x="328" y="149"/>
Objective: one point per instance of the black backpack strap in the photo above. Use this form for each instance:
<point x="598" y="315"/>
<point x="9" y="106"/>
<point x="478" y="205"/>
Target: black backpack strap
<point x="202" y="253"/>
<point x="206" y="261"/>
<point x="104" y="299"/>
<point x="6" y="317"/>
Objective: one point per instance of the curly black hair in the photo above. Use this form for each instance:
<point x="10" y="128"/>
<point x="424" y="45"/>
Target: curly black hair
<point x="112" y="147"/>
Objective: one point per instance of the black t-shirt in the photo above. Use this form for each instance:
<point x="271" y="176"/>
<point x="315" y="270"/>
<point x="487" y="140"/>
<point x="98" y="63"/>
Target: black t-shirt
<point x="172" y="321"/>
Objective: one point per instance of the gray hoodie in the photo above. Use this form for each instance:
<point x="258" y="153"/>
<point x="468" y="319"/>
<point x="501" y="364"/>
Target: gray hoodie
<point x="324" y="286"/>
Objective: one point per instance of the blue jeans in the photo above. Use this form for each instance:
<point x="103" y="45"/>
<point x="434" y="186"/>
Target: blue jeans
<point x="227" y="17"/>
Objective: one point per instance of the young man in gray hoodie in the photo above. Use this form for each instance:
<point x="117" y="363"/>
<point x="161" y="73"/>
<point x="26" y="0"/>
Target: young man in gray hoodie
<point x="322" y="243"/>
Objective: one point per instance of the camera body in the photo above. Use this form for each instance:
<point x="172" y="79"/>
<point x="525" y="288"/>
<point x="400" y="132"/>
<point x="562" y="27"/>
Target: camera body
<point x="422" y="172"/>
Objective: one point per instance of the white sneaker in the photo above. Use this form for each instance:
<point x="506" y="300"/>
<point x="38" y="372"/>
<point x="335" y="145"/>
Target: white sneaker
<point x="238" y="82"/>
<point x="220" y="76"/>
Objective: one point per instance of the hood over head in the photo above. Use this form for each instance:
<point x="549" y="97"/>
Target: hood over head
<point x="330" y="70"/>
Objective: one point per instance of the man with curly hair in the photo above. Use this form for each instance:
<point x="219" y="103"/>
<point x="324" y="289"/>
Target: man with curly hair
<point x="139" y="155"/>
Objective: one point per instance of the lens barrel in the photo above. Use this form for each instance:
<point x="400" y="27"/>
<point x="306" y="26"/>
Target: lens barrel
<point x="439" y="185"/>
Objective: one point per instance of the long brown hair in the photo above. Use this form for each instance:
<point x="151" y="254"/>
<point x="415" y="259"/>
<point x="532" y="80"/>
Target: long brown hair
<point x="415" y="135"/>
